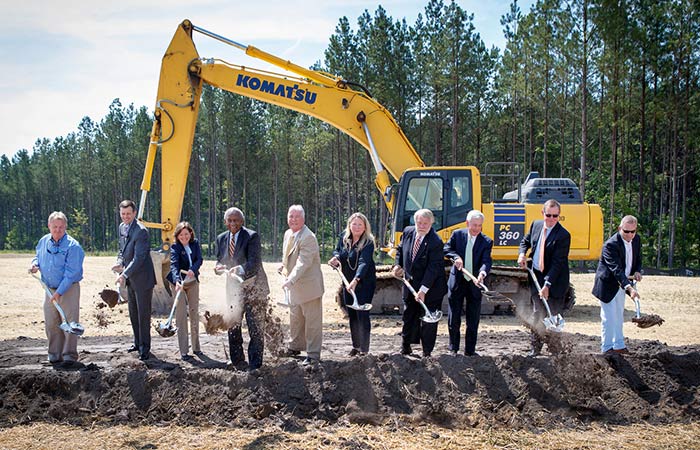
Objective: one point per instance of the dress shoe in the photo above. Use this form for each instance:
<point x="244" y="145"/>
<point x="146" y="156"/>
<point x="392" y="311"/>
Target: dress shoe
<point x="472" y="354"/>
<point x="406" y="350"/>
<point x="198" y="353"/>
<point x="144" y="356"/>
<point x="289" y="353"/>
<point x="622" y="351"/>
<point x="534" y="352"/>
<point x="354" y="352"/>
<point x="133" y="348"/>
<point x="609" y="352"/>
<point x="309" y="362"/>
<point x="186" y="357"/>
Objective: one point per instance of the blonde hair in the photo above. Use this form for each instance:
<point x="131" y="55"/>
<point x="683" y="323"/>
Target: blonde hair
<point x="366" y="236"/>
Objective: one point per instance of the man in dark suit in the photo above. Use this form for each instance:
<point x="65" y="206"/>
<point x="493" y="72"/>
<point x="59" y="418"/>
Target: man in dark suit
<point x="134" y="266"/>
<point x="549" y="243"/>
<point x="621" y="259"/>
<point x="420" y="257"/>
<point x="468" y="248"/>
<point x="240" y="248"/>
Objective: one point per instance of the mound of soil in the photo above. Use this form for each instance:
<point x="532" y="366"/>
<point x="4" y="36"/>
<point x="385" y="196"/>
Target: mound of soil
<point x="657" y="384"/>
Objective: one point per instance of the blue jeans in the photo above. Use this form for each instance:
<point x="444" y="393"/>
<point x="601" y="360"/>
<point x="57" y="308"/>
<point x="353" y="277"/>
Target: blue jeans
<point x="612" y="318"/>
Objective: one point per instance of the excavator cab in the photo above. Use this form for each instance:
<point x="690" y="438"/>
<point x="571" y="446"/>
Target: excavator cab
<point x="447" y="191"/>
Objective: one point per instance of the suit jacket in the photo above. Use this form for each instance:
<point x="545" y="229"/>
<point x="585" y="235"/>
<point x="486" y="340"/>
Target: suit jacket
<point x="365" y="269"/>
<point x="481" y="259"/>
<point x="179" y="261"/>
<point x="248" y="255"/>
<point x="427" y="269"/>
<point x="556" y="256"/>
<point x="135" y="256"/>
<point x="610" y="274"/>
<point x="302" y="266"/>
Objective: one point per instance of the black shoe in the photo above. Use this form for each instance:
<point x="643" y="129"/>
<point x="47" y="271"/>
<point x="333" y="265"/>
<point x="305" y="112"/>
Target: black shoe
<point x="144" y="356"/>
<point x="309" y="362"/>
<point x="471" y="354"/>
<point x="534" y="352"/>
<point x="354" y="352"/>
<point x="187" y="357"/>
<point x="133" y="348"/>
<point x="199" y="353"/>
<point x="289" y="353"/>
<point x="406" y="350"/>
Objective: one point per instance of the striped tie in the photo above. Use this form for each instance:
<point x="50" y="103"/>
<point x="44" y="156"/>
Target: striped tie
<point x="232" y="246"/>
<point x="468" y="255"/>
<point x="416" y="246"/>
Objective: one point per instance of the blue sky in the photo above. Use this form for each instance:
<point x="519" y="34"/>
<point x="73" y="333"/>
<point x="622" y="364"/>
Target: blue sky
<point x="63" y="60"/>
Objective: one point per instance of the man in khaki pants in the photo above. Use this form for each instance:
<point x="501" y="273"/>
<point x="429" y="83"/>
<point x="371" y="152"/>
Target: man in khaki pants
<point x="301" y="267"/>
<point x="60" y="259"/>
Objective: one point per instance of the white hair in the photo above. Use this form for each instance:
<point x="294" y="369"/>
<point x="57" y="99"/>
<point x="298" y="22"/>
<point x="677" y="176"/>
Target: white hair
<point x="425" y="212"/>
<point x="299" y="209"/>
<point x="475" y="214"/>
<point x="234" y="211"/>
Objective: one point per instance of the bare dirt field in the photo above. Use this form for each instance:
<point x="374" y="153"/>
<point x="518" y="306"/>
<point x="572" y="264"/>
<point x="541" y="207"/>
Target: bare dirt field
<point x="500" y="399"/>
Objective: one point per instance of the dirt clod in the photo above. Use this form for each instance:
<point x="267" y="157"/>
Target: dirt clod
<point x="648" y="320"/>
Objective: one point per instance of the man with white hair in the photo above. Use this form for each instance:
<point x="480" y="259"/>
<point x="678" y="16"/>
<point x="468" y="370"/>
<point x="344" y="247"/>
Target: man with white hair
<point x="240" y="248"/>
<point x="620" y="260"/>
<point x="420" y="258"/>
<point x="469" y="249"/>
<point x="60" y="259"/>
<point x="301" y="268"/>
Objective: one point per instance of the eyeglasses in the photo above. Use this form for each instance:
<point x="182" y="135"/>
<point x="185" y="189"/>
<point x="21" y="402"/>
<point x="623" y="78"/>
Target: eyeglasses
<point x="54" y="249"/>
<point x="551" y="215"/>
<point x="629" y="231"/>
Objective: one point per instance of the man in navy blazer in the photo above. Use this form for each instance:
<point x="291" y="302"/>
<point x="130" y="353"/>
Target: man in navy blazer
<point x="460" y="287"/>
<point x="550" y="262"/>
<point x="136" y="269"/>
<point x="424" y="265"/>
<point x="240" y="247"/>
<point x="621" y="259"/>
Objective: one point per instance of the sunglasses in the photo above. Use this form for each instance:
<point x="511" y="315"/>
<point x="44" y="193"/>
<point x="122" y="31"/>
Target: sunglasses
<point x="551" y="215"/>
<point x="629" y="231"/>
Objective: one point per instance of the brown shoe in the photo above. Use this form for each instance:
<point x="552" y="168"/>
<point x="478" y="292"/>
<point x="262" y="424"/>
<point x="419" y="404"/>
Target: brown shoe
<point x="622" y="351"/>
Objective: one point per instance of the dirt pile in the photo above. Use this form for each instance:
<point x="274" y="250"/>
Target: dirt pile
<point x="655" y="386"/>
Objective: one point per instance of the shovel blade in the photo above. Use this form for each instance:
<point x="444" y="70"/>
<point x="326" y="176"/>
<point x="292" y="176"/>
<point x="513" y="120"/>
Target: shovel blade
<point x="166" y="330"/>
<point x="554" y="323"/>
<point x="358" y="307"/>
<point x="65" y="327"/>
<point x="76" y="328"/>
<point x="433" y="317"/>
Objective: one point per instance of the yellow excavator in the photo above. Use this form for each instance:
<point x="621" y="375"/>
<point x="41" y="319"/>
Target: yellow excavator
<point x="450" y="192"/>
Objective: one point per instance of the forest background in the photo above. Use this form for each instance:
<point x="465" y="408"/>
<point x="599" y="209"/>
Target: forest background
<point x="603" y="92"/>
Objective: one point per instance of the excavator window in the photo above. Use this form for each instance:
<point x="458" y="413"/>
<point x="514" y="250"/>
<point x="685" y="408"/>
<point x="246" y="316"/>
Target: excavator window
<point x="424" y="192"/>
<point x="460" y="200"/>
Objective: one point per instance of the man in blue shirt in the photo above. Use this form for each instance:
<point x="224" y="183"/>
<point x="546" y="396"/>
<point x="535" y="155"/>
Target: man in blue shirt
<point x="60" y="259"/>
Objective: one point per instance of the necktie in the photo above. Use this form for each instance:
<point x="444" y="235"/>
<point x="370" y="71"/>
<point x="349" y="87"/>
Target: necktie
<point x="540" y="261"/>
<point x="468" y="259"/>
<point x="232" y="246"/>
<point x="416" y="246"/>
<point x="290" y="244"/>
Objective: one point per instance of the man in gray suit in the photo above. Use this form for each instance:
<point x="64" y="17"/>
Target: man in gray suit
<point x="135" y="267"/>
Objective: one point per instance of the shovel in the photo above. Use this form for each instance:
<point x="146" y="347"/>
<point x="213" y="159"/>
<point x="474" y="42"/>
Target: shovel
<point x="428" y="317"/>
<point x="167" y="329"/>
<point x="355" y="304"/>
<point x="644" y="320"/>
<point x="72" y="327"/>
<point x="492" y="295"/>
<point x="286" y="302"/>
<point x="551" y="323"/>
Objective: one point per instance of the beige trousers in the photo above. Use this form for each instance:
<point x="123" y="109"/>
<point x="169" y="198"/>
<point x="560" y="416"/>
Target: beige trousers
<point x="188" y="303"/>
<point x="306" y="327"/>
<point x="62" y="346"/>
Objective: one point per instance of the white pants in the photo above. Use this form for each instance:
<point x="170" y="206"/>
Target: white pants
<point x="612" y="316"/>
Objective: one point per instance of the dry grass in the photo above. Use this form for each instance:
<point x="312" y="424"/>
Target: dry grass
<point x="50" y="436"/>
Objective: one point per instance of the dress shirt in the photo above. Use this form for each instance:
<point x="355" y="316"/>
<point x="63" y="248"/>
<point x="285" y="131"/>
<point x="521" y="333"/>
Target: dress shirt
<point x="628" y="257"/>
<point x="61" y="263"/>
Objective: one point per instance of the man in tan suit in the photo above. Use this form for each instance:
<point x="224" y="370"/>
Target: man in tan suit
<point x="301" y="267"/>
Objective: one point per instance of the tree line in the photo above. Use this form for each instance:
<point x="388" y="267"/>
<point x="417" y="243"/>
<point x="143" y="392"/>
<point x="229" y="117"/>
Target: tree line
<point x="604" y="92"/>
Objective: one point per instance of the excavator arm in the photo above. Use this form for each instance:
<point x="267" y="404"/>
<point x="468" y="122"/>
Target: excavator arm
<point x="314" y="93"/>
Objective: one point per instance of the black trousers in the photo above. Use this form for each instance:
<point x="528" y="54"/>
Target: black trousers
<point x="360" y="325"/>
<point x="456" y="301"/>
<point x="139" y="303"/>
<point x="416" y="331"/>
<point x="254" y="313"/>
